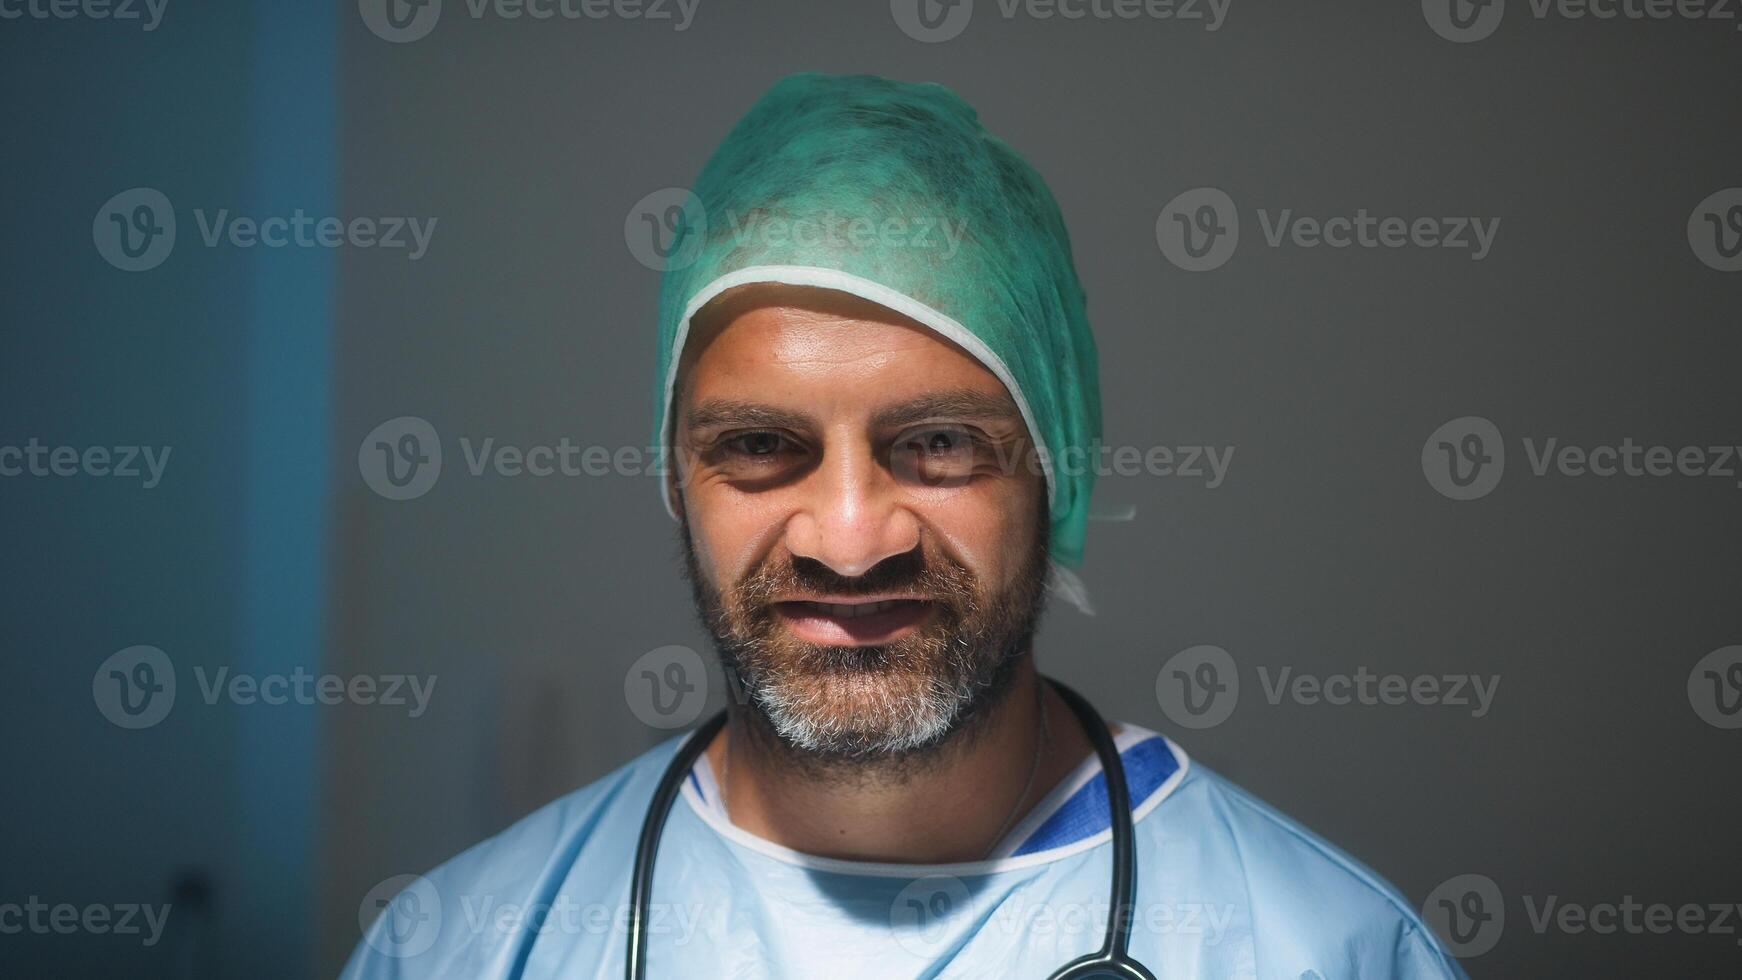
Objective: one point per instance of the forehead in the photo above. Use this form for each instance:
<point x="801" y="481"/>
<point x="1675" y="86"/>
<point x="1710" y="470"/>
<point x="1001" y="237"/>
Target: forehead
<point x="766" y="339"/>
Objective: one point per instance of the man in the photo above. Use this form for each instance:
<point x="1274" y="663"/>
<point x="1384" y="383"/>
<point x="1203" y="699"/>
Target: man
<point x="871" y="429"/>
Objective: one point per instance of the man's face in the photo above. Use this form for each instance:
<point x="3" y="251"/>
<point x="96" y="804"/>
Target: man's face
<point x="864" y="522"/>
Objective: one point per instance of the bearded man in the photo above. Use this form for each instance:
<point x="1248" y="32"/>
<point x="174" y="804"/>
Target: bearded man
<point x="878" y="388"/>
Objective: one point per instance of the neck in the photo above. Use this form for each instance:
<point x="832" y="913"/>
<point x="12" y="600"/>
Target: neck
<point x="945" y="807"/>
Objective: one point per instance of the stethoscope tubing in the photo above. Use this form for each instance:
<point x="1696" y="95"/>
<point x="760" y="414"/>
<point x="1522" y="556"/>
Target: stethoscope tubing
<point x="1113" y="960"/>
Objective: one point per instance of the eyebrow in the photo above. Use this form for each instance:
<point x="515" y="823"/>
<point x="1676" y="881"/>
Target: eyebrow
<point x="721" y="412"/>
<point x="967" y="404"/>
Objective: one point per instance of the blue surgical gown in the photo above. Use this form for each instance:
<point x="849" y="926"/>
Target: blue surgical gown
<point x="1227" y="888"/>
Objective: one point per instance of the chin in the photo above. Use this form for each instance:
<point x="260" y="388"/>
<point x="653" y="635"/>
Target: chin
<point x="861" y="714"/>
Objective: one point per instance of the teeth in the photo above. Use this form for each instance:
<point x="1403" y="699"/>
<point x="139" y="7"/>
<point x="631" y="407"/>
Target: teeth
<point x="854" y="610"/>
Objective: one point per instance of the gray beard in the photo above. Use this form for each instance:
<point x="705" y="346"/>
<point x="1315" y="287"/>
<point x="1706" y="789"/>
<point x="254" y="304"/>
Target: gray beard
<point x="887" y="708"/>
<point x="884" y="723"/>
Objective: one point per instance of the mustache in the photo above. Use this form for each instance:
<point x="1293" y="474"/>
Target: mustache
<point x="936" y="579"/>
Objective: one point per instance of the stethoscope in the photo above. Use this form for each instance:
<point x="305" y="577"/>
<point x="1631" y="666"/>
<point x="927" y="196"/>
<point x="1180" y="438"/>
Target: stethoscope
<point x="1111" y="962"/>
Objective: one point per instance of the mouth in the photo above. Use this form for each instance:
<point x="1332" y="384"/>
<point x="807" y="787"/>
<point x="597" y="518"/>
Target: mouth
<point x="855" y="621"/>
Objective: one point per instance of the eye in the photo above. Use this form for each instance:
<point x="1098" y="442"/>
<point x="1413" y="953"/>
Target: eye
<point x="937" y="456"/>
<point x="940" y="443"/>
<point x="756" y="444"/>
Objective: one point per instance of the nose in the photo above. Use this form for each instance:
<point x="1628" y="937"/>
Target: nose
<point x="851" y="516"/>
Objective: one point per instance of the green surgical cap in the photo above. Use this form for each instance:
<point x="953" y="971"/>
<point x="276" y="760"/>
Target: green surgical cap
<point x="894" y="192"/>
